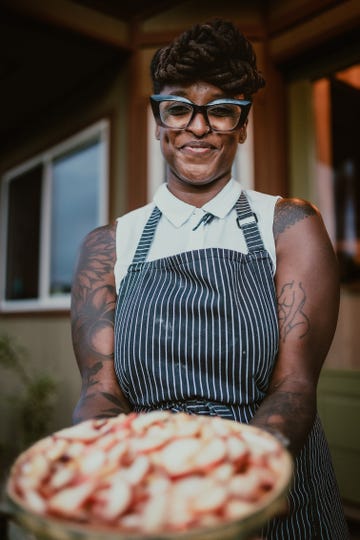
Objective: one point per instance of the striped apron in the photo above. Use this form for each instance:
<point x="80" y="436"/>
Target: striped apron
<point x="198" y="332"/>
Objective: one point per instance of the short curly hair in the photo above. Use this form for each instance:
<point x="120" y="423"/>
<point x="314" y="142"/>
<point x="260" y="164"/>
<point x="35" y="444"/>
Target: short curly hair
<point x="215" y="52"/>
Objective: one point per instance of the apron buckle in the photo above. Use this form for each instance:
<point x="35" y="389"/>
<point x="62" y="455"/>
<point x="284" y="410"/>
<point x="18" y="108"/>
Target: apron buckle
<point x="246" y="221"/>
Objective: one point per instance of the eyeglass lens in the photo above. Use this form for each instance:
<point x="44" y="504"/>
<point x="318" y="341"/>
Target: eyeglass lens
<point x="221" y="117"/>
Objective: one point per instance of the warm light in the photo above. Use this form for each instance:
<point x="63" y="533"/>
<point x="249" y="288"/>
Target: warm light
<point x="350" y="76"/>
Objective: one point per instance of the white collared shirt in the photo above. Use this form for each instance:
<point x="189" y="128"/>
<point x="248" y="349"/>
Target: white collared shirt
<point x="176" y="230"/>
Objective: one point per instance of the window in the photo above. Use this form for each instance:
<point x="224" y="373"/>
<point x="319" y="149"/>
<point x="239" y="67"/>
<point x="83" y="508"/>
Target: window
<point x="49" y="204"/>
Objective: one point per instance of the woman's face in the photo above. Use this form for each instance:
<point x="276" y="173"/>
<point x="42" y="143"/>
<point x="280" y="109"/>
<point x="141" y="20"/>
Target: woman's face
<point x="197" y="157"/>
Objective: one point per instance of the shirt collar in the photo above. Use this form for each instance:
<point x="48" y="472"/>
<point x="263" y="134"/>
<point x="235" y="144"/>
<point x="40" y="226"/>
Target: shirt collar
<point x="178" y="211"/>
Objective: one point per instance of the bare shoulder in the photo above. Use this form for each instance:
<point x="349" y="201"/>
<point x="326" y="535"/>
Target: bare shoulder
<point x="98" y="250"/>
<point x="292" y="211"/>
<point x="303" y="245"/>
<point x="100" y="238"/>
<point x="94" y="272"/>
<point x="300" y="234"/>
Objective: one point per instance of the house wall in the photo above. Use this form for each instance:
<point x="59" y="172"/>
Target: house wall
<point x="48" y="343"/>
<point x="47" y="337"/>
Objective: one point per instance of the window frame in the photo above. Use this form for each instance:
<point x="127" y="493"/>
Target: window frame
<point x="45" y="301"/>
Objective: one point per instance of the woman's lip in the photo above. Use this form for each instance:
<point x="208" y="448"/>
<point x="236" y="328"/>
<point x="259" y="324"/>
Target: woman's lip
<point x="197" y="147"/>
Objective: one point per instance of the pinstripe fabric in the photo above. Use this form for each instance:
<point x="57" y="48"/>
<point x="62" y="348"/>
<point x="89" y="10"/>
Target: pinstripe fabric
<point x="147" y="237"/>
<point x="198" y="332"/>
<point x="247" y="221"/>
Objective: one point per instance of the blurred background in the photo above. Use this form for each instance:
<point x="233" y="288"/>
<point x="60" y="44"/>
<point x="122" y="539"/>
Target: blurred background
<point x="77" y="150"/>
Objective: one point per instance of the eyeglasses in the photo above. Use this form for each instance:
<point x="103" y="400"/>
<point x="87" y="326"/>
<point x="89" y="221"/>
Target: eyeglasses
<point x="175" y="112"/>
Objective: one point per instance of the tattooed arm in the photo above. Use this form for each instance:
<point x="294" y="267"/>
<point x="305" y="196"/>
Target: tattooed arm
<point x="92" y="323"/>
<point x="308" y="300"/>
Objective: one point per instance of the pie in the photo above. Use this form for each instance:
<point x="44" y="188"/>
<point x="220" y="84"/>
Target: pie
<point x="147" y="473"/>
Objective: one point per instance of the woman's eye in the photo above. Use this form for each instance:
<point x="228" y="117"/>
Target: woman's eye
<point x="178" y="110"/>
<point x="223" y="110"/>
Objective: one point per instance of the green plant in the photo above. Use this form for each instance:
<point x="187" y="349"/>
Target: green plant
<point x="33" y="405"/>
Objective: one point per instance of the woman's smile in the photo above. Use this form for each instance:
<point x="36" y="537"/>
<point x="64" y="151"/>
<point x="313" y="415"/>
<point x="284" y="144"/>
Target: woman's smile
<point x="197" y="148"/>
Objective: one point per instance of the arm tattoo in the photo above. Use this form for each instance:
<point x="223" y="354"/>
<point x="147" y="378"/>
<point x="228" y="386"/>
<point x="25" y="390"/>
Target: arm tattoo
<point x="119" y="405"/>
<point x="93" y="308"/>
<point x="287" y="214"/>
<point x="292" y="297"/>
<point x="93" y="295"/>
<point x="292" y="318"/>
<point x="89" y="374"/>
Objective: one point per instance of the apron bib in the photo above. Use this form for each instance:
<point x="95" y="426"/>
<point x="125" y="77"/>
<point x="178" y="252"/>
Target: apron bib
<point x="198" y="331"/>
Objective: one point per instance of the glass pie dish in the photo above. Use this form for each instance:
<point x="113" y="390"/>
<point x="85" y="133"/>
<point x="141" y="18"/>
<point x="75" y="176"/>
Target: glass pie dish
<point x="150" y="476"/>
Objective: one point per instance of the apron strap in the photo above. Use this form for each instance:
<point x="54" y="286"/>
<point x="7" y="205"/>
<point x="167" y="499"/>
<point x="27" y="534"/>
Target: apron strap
<point x="247" y="221"/>
<point x="147" y="237"/>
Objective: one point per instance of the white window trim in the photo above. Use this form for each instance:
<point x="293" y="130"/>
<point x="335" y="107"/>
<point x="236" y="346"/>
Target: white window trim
<point x="44" y="302"/>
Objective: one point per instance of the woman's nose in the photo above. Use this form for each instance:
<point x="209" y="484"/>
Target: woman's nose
<point x="199" y="124"/>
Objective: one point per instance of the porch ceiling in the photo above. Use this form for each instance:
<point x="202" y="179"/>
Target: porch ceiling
<point x="49" y="50"/>
<point x="41" y="67"/>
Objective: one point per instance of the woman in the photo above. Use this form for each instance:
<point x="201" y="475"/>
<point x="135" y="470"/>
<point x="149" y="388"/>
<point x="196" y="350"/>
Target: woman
<point x="213" y="299"/>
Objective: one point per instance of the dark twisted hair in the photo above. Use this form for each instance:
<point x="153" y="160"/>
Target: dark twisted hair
<point x="215" y="52"/>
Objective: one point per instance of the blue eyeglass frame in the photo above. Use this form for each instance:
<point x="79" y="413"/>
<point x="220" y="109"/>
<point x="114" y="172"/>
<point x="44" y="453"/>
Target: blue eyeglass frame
<point x="156" y="99"/>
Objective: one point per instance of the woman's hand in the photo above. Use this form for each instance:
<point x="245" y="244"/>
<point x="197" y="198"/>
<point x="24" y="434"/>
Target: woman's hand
<point x="92" y="322"/>
<point x="307" y="285"/>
